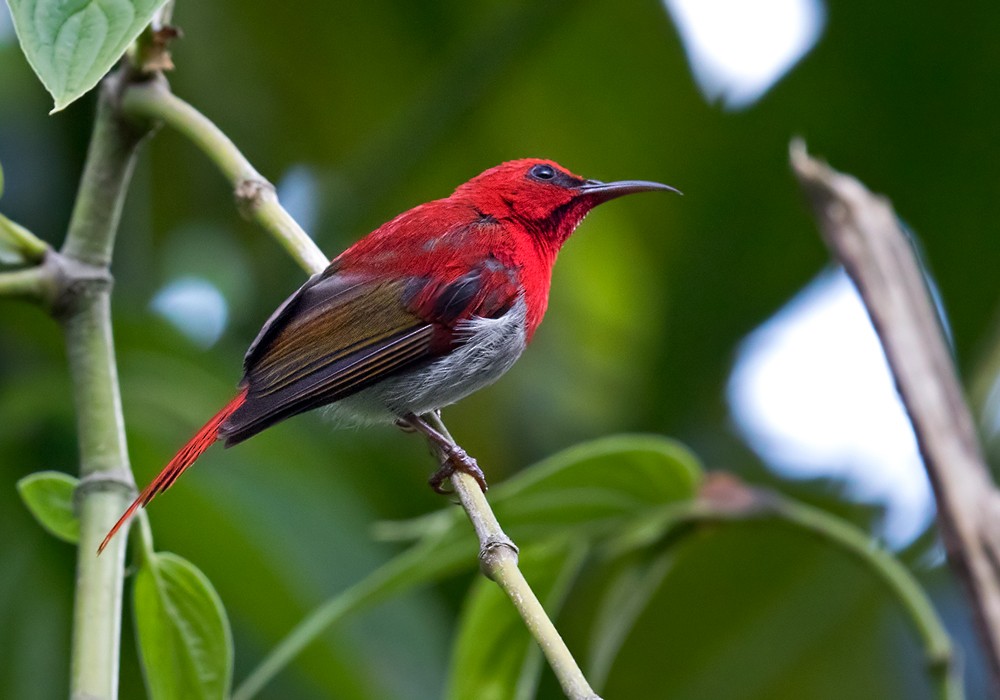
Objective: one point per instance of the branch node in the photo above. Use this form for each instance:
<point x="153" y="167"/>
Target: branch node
<point x="76" y="281"/>
<point x="113" y="479"/>
<point x="251" y="193"/>
<point x="134" y="129"/>
<point x="494" y="552"/>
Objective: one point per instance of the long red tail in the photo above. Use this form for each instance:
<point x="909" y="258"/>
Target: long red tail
<point x="187" y="455"/>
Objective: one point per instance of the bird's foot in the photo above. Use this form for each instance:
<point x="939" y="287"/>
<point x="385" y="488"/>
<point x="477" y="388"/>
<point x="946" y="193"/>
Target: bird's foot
<point x="453" y="458"/>
<point x="456" y="460"/>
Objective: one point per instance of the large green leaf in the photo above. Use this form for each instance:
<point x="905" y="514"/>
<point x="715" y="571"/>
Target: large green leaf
<point x="590" y="487"/>
<point x="183" y="632"/>
<point x="71" y="44"/>
<point x="593" y="486"/>
<point x="590" y="490"/>
<point x="49" y="497"/>
<point x="495" y="657"/>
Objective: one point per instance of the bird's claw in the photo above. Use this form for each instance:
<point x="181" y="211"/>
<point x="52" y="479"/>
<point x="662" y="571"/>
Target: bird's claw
<point x="456" y="460"/>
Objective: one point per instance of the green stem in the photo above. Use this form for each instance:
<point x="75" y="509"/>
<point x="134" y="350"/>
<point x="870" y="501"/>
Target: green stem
<point x="106" y="175"/>
<point x="24" y="241"/>
<point x="254" y="193"/>
<point x="32" y="284"/>
<point x="498" y="559"/>
<point x="105" y="492"/>
<point x="106" y="477"/>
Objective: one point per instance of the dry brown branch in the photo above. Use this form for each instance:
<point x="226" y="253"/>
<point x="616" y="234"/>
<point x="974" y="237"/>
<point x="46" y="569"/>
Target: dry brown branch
<point x="865" y="236"/>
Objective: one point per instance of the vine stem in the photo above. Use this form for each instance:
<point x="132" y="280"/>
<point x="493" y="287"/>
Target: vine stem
<point x="256" y="197"/>
<point x="723" y="498"/>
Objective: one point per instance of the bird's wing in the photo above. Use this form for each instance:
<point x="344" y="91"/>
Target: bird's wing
<point x="340" y="333"/>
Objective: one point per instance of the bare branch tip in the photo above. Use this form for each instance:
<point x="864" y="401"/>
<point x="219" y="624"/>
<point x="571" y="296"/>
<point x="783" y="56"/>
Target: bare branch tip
<point x="797" y="150"/>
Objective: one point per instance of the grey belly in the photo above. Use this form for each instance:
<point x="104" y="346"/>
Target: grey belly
<point x="490" y="349"/>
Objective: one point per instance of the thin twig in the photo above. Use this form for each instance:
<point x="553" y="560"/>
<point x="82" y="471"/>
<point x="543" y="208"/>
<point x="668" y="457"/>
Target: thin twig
<point x="33" y="284"/>
<point x="31" y="247"/>
<point x="255" y="195"/>
<point x="864" y="235"/>
<point x="498" y="561"/>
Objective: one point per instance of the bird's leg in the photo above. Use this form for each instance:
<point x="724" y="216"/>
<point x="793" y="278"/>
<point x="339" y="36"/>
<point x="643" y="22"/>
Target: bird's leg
<point x="403" y="425"/>
<point x="454" y="457"/>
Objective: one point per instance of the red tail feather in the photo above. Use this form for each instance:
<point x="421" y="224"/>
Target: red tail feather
<point x="187" y="455"/>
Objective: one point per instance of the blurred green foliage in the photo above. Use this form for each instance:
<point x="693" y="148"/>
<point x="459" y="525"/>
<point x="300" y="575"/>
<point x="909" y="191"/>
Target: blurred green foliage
<point x="388" y="103"/>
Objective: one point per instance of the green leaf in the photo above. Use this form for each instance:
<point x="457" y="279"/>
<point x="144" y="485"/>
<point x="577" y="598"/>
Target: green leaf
<point x="49" y="498"/>
<point x="183" y="632"/>
<point x="495" y="657"/>
<point x="1" y="180"/>
<point x="72" y="44"/>
<point x="591" y="486"/>
<point x="590" y="491"/>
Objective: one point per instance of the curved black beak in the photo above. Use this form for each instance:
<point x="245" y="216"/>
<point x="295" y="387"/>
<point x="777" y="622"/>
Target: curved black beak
<point x="604" y="191"/>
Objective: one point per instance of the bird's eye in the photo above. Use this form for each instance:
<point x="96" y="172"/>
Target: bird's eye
<point x="543" y="172"/>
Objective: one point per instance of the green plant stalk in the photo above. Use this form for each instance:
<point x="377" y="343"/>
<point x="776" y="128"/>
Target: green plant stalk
<point x="105" y="491"/>
<point x="255" y="195"/>
<point x="31" y="284"/>
<point x="106" y="485"/>
<point x="498" y="561"/>
<point x="28" y="244"/>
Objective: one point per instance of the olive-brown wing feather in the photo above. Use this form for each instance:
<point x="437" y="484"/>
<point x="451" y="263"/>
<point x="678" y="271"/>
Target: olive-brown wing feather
<point x="341" y="333"/>
<point x="332" y="341"/>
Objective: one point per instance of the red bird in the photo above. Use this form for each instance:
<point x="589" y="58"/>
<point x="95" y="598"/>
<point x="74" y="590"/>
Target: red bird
<point x="421" y="312"/>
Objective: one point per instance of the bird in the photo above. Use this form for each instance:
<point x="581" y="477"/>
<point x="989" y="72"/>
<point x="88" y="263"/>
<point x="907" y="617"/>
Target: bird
<point x="426" y="309"/>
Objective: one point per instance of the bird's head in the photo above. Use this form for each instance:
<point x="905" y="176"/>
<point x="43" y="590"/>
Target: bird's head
<point x="545" y="197"/>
